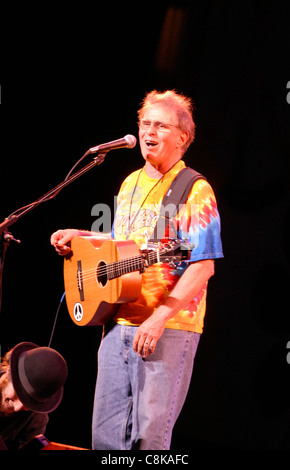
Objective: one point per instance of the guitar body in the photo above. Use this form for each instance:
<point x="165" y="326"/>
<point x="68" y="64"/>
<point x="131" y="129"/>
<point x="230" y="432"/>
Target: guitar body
<point x="92" y="298"/>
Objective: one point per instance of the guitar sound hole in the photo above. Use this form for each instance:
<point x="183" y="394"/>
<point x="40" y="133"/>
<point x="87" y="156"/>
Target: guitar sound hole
<point x="102" y="277"/>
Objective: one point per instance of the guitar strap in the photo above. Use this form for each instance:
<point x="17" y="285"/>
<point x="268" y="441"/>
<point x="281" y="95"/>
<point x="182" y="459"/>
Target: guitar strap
<point x="175" y="197"/>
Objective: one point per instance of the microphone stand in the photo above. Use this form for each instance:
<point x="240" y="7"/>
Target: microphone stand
<point x="6" y="237"/>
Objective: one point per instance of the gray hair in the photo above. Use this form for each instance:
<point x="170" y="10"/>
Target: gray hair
<point x="183" y="106"/>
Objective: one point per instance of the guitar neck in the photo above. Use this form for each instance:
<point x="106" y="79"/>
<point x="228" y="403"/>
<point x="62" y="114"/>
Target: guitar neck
<point x="128" y="265"/>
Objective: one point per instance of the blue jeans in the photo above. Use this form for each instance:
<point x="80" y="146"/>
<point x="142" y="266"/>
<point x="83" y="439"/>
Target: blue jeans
<point x="137" y="401"/>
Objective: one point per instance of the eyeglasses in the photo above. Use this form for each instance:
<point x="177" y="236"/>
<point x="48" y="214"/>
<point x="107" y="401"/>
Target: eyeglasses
<point x="159" y="126"/>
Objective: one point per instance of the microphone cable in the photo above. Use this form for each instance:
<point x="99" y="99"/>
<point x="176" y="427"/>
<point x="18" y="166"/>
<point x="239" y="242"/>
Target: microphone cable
<point x="55" y="319"/>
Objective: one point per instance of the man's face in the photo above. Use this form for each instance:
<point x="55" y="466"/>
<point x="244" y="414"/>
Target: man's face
<point x="9" y="401"/>
<point x="160" y="138"/>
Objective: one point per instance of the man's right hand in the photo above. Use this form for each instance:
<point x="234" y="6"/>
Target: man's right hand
<point x="62" y="238"/>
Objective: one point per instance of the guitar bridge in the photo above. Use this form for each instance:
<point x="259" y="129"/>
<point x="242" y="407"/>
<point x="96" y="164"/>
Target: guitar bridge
<point x="80" y="281"/>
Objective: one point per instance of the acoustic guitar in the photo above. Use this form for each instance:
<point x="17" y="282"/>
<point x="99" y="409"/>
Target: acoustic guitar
<point x="100" y="274"/>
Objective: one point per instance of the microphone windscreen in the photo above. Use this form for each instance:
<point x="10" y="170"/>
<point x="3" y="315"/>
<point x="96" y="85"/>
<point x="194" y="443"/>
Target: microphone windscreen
<point x="131" y="139"/>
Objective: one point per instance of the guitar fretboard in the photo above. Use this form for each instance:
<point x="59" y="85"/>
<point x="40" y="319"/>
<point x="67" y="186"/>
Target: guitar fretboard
<point x="128" y="265"/>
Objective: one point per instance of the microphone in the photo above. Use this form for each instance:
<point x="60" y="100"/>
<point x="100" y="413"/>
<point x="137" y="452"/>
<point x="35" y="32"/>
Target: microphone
<point x="129" y="141"/>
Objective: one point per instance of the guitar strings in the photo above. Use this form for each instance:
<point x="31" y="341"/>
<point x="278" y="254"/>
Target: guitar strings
<point x="136" y="263"/>
<point x="92" y="273"/>
<point x="111" y="268"/>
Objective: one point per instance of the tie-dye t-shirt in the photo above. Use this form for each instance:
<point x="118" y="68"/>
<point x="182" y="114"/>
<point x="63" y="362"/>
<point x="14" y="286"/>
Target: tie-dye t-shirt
<point x="197" y="222"/>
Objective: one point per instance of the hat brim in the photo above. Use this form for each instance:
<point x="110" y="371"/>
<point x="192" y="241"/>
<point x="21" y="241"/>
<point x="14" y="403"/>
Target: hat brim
<point x="33" y="405"/>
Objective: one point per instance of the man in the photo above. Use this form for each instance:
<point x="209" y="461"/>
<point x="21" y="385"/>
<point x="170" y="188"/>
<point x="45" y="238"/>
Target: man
<point x="146" y="355"/>
<point x="31" y="386"/>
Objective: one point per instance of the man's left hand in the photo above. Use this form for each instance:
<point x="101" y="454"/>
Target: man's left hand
<point x="147" y="335"/>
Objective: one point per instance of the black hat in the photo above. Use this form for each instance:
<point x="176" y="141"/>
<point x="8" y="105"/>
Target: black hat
<point x="38" y="375"/>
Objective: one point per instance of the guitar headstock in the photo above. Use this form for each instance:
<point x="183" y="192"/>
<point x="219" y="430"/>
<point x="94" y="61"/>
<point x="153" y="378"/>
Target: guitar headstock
<point x="171" y="252"/>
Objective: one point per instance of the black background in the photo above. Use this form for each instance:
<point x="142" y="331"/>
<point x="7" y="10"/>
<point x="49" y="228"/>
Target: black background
<point x="73" y="79"/>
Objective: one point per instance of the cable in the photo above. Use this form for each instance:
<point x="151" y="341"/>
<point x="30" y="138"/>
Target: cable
<point x="55" y="319"/>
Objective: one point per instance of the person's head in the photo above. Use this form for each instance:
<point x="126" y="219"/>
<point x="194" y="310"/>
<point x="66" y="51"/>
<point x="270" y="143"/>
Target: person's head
<point x="9" y="401"/>
<point x="166" y="128"/>
<point x="31" y="378"/>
